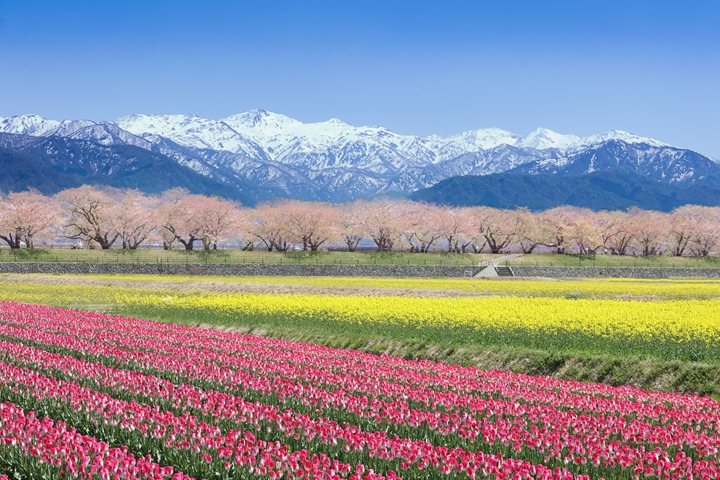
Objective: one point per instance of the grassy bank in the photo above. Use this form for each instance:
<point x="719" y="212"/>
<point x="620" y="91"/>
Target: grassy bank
<point x="233" y="256"/>
<point x="626" y="261"/>
<point x="238" y="257"/>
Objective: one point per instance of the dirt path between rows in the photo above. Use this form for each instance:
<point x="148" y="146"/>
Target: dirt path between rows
<point x="236" y="287"/>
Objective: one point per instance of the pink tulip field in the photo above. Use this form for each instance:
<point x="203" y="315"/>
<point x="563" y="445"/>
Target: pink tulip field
<point x="86" y="395"/>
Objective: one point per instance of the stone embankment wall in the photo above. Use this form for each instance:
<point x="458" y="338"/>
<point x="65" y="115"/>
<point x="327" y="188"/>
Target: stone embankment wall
<point x="613" y="272"/>
<point x="346" y="270"/>
<point x="243" y="269"/>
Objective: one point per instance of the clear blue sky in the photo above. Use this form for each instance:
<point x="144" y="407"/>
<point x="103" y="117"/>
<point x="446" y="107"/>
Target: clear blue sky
<point x="583" y="67"/>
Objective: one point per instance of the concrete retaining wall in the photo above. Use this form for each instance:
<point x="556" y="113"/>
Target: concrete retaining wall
<point x="243" y="269"/>
<point x="614" y="272"/>
<point x="346" y="270"/>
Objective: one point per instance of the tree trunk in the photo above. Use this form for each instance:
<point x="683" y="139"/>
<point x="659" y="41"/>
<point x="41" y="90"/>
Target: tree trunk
<point x="104" y="242"/>
<point x="12" y="239"/>
<point x="187" y="244"/>
<point x="352" y="242"/>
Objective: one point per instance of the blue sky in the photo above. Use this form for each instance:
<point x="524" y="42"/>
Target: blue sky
<point x="582" y="67"/>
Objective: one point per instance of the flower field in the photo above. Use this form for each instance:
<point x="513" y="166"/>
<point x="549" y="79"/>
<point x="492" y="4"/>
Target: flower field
<point x="675" y="329"/>
<point x="86" y="395"/>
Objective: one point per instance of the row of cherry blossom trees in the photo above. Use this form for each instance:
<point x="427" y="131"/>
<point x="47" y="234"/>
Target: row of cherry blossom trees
<point x="107" y="217"/>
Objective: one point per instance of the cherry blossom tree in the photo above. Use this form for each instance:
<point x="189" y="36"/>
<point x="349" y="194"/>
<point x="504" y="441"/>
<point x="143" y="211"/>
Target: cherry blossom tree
<point x="623" y="237"/>
<point x="683" y="222"/>
<point x="705" y="230"/>
<point x="195" y="218"/>
<point x="457" y="227"/>
<point x="25" y="216"/>
<point x="137" y="219"/>
<point x="555" y="225"/>
<point x="350" y="224"/>
<point x="181" y="218"/>
<point x="270" y="225"/>
<point x="218" y="219"/>
<point x="384" y="223"/>
<point x="649" y="229"/>
<point x="422" y="224"/>
<point x="91" y="214"/>
<point x="591" y="231"/>
<point x="498" y="227"/>
<point x="528" y="233"/>
<point x="313" y="224"/>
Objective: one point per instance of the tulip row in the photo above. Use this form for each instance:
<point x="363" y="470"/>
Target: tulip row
<point x="325" y="364"/>
<point x="192" y="352"/>
<point x="589" y="445"/>
<point x="465" y="462"/>
<point x="638" y="432"/>
<point x="39" y="448"/>
<point x="658" y="410"/>
<point x="201" y="449"/>
<point x="287" y="426"/>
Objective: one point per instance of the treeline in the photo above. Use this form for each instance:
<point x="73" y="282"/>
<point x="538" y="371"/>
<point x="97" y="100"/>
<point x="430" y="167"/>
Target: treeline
<point x="105" y="218"/>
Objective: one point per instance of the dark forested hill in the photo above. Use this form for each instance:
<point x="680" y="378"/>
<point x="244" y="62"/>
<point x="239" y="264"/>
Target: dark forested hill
<point x="609" y="190"/>
<point x="53" y="164"/>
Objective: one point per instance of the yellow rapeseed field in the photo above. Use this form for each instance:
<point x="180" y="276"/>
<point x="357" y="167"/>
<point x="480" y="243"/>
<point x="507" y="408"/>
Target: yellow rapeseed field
<point x="678" y="328"/>
<point x="678" y="319"/>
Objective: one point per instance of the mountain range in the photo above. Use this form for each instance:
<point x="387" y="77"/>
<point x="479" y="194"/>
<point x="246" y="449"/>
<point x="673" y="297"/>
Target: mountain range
<point x="260" y="155"/>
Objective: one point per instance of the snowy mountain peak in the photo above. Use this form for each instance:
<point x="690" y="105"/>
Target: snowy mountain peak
<point x="482" y="139"/>
<point x="543" y="139"/>
<point x="28" y="124"/>
<point x="622" y="136"/>
<point x="191" y="131"/>
<point x="68" y="127"/>
<point x="260" y="120"/>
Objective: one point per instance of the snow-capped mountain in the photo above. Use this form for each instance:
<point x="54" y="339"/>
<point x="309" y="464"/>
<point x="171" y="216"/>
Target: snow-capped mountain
<point x="191" y="131"/>
<point x="27" y="125"/>
<point x="653" y="161"/>
<point x="335" y="161"/>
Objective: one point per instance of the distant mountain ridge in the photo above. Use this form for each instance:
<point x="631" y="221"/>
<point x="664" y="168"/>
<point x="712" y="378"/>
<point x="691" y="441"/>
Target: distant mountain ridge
<point x="262" y="155"/>
<point x="600" y="190"/>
